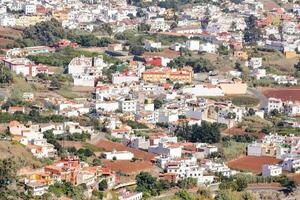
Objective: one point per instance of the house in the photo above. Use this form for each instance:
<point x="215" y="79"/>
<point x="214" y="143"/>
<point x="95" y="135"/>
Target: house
<point x="193" y="45"/>
<point x="89" y="176"/>
<point x="271" y="170"/>
<point x="136" y="142"/>
<point x="241" y="55"/>
<point x="168" y="149"/>
<point x="28" y="96"/>
<point x="290" y="54"/>
<point x="234" y="87"/>
<point x="255" y="62"/>
<point x="261" y="149"/>
<point x="161" y="75"/>
<point x="167" y="116"/>
<point x="13" y="109"/>
<point x="128" y="105"/>
<point x="221" y="168"/>
<point x="65" y="169"/>
<point x="85" y="70"/>
<point x="203" y="90"/>
<point x="291" y="164"/>
<point x="30" y="9"/>
<point x="208" y="48"/>
<point x="292" y="109"/>
<point x="274" y="104"/>
<point x="66" y="43"/>
<point x="120" y="132"/>
<point x="259" y="73"/>
<point x="118" y="155"/>
<point x="125" y="77"/>
<point x="149" y="45"/>
<point x="185" y="168"/>
<point x="126" y="195"/>
<point x="36" y="188"/>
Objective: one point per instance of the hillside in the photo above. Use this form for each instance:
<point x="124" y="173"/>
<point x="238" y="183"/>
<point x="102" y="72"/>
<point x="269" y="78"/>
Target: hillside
<point x="20" y="154"/>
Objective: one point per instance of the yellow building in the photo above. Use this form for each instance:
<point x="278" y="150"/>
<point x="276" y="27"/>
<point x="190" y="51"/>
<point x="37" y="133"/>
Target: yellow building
<point x="290" y="54"/>
<point x="161" y="75"/>
<point x="243" y="55"/>
<point x="269" y="150"/>
<point x="234" y="87"/>
<point x="25" y="21"/>
<point x="61" y="15"/>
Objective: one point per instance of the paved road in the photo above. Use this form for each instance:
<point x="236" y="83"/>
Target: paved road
<point x="263" y="101"/>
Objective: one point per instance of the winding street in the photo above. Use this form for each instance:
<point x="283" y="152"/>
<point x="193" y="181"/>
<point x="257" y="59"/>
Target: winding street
<point x="263" y="101"/>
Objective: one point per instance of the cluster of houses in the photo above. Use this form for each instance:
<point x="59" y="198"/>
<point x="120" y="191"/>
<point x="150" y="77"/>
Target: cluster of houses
<point x="289" y="108"/>
<point x="145" y="92"/>
<point x="32" y="135"/>
<point x="69" y="169"/>
<point x="177" y="160"/>
<point x="285" y="148"/>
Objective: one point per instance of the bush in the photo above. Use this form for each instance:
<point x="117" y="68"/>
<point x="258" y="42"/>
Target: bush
<point x="103" y="185"/>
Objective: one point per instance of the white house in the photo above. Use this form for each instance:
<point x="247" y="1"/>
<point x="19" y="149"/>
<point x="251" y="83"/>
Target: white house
<point x="274" y="104"/>
<point x="118" y="155"/>
<point x="255" y="62"/>
<point x="166" y="116"/>
<point x="37" y="188"/>
<point x="119" y="78"/>
<point x="202" y="90"/>
<point x="128" y="105"/>
<point x="207" y="47"/>
<point x="30" y="9"/>
<point x="148" y="45"/>
<point x="126" y="195"/>
<point x="193" y="45"/>
<point x="254" y="149"/>
<point x="271" y="170"/>
<point x="185" y="169"/>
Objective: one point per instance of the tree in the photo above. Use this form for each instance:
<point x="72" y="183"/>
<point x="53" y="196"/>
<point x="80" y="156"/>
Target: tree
<point x="97" y="162"/>
<point x="43" y="33"/>
<point x="137" y="50"/>
<point x="55" y="83"/>
<point x="157" y="103"/>
<point x="274" y="112"/>
<point x="297" y="66"/>
<point x="5" y="75"/>
<point x="145" y="183"/>
<point x="241" y="183"/>
<point x="223" y="50"/>
<point x="205" y="193"/>
<point x="7" y="173"/>
<point x="233" y="26"/>
<point x="207" y="132"/>
<point x="252" y="33"/>
<point x="66" y="188"/>
<point x="103" y="185"/>
<point x="251" y="112"/>
<point x="143" y="27"/>
<point x="290" y="185"/>
<point x="227" y="195"/>
<point x="183" y="195"/>
<point x="187" y="183"/>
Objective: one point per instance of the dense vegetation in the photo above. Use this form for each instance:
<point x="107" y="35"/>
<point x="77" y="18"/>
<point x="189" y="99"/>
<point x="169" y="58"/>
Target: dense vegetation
<point x="207" y="132"/>
<point x="6" y="76"/>
<point x="49" y="32"/>
<point x="60" y="58"/>
<point x="33" y="117"/>
<point x="198" y="65"/>
<point x="150" y="186"/>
